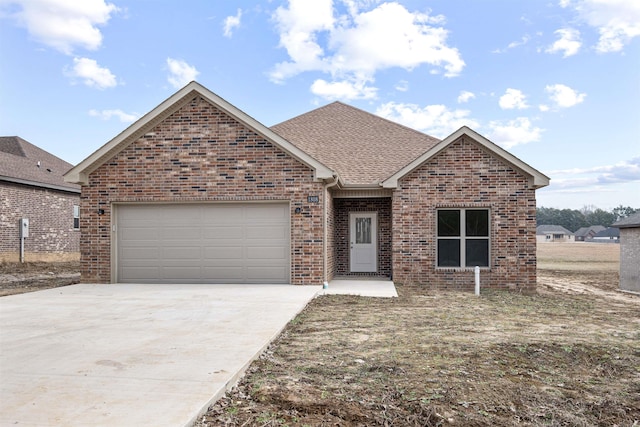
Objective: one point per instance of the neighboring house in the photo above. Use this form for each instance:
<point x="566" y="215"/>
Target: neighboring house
<point x="197" y="191"/>
<point x="553" y="233"/>
<point x="629" y="252"/>
<point x="585" y="234"/>
<point x="608" y="235"/>
<point x="32" y="187"/>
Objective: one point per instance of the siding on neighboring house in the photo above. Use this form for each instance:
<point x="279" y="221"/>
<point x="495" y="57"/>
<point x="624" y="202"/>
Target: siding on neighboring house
<point x="465" y="176"/>
<point x="52" y="236"/>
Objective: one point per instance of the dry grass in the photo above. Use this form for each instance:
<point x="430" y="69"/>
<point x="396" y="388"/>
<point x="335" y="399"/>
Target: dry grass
<point x="562" y="357"/>
<point x="603" y="257"/>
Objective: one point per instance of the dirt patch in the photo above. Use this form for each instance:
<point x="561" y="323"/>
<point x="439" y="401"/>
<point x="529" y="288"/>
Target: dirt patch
<point x="18" y="278"/>
<point x="567" y="356"/>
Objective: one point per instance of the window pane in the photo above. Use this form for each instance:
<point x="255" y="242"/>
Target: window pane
<point x="448" y="253"/>
<point x="477" y="252"/>
<point x="76" y="222"/>
<point x="477" y="222"/>
<point x="363" y="230"/>
<point x="448" y="223"/>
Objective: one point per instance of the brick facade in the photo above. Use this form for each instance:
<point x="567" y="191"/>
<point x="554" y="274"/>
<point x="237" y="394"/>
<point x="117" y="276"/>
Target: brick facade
<point x="465" y="176"/>
<point x="200" y="154"/>
<point x="50" y="213"/>
<point x="342" y="246"/>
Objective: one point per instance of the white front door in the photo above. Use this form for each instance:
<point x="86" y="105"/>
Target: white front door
<point x="364" y="248"/>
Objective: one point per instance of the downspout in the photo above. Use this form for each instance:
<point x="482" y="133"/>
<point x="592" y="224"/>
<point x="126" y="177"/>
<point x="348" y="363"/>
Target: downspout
<point x="326" y="234"/>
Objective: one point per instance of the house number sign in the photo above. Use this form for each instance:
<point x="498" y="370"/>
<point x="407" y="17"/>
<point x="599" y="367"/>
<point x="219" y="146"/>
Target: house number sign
<point x="313" y="199"/>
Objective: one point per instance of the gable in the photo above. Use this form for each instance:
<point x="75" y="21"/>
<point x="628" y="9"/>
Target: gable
<point x="536" y="178"/>
<point x="203" y="150"/>
<point x="79" y="174"/>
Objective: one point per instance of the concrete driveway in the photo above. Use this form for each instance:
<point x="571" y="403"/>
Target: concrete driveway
<point x="132" y="355"/>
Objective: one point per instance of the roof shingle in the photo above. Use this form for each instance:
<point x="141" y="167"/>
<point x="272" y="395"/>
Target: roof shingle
<point x="362" y="147"/>
<point x="21" y="161"/>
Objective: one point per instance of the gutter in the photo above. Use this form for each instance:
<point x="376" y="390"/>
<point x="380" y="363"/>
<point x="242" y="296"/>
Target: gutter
<point x="333" y="183"/>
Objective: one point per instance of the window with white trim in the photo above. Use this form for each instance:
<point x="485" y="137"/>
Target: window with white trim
<point x="76" y="217"/>
<point x="463" y="237"/>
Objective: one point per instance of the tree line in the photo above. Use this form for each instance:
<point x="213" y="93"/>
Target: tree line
<point x="573" y="219"/>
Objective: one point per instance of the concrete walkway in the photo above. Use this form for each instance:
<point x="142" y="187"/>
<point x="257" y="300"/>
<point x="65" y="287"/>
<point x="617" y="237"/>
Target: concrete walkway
<point x="361" y="287"/>
<point x="132" y="355"/>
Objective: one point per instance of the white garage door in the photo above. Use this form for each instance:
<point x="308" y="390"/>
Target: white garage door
<point x="203" y="243"/>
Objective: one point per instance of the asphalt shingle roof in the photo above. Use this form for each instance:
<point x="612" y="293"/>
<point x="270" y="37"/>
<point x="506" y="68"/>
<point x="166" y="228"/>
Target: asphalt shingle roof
<point x="628" y="222"/>
<point x="23" y="161"/>
<point x="362" y="147"/>
<point x="556" y="229"/>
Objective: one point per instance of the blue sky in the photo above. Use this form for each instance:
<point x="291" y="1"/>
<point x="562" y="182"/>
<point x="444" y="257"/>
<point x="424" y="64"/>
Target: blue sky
<point x="555" y="82"/>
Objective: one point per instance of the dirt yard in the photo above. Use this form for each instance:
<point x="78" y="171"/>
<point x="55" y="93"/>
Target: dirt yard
<point x="17" y="278"/>
<point x="569" y="356"/>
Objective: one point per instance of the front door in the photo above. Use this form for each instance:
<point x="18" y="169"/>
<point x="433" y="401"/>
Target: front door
<point x="364" y="249"/>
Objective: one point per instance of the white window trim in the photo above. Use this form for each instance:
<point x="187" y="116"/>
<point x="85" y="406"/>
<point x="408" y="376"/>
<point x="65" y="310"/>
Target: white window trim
<point x="76" y="214"/>
<point x="462" y="238"/>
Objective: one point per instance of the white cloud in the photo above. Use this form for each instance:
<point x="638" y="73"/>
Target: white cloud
<point x="298" y="26"/>
<point x="344" y="90"/>
<point x="180" y="73"/>
<point x="402" y="86"/>
<point x="465" y="96"/>
<point x="230" y="23"/>
<point x="436" y="120"/>
<point x="568" y="43"/>
<point x="64" y="24"/>
<point x="524" y="40"/>
<point x="513" y="99"/>
<point x="515" y="132"/>
<point x="108" y="114"/>
<point x="563" y="96"/>
<point x="621" y="172"/>
<point x="92" y="74"/>
<point x="358" y="44"/>
<point x="617" y="21"/>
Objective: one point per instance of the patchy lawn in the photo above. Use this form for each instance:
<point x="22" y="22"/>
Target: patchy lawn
<point x="567" y="356"/>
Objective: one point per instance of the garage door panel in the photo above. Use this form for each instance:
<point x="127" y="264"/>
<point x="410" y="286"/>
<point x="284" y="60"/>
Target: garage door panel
<point x="272" y="232"/>
<point x="203" y="243"/>
<point x="139" y="233"/>
<point x="180" y="233"/>
<point x="182" y="253"/>
<point x="224" y="253"/>
<point x="269" y="273"/>
<point x="130" y="254"/>
<point x="217" y="232"/>
<point x="266" y="252"/>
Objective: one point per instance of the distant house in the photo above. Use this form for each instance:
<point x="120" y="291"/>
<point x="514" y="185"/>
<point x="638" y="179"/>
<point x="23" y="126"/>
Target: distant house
<point x="629" y="252"/>
<point x="585" y="234"/>
<point x="609" y="235"/>
<point x="32" y="188"/>
<point x="553" y="233"/>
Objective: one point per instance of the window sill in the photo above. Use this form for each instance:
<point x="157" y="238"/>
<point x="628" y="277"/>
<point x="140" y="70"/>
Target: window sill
<point x="462" y="269"/>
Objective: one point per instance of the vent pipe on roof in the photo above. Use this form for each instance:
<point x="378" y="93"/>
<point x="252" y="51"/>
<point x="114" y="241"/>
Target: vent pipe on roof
<point x="38" y="163"/>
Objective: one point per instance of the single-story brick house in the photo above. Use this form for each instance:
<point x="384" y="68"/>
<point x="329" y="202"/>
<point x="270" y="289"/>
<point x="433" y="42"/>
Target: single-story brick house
<point x="32" y="188"/>
<point x="197" y="191"/>
<point x="553" y="233"/>
<point x="629" y="252"/>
